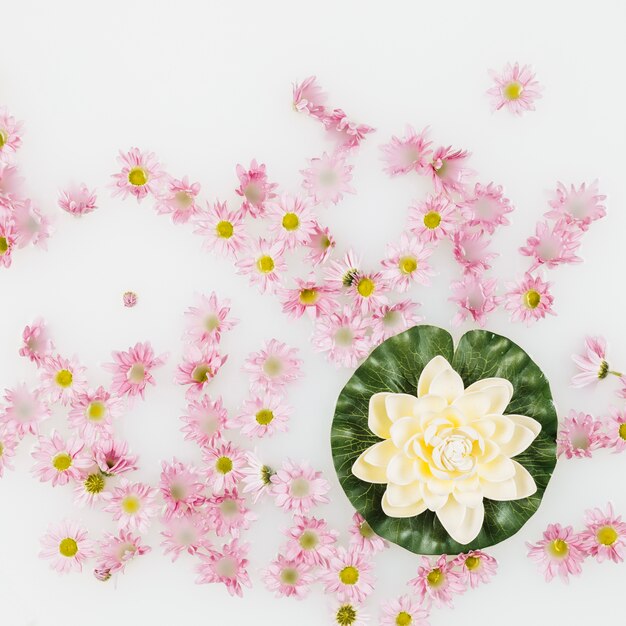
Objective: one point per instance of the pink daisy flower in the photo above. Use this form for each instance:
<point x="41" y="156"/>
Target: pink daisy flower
<point x="116" y="551"/>
<point x="553" y="245"/>
<point x="341" y="275"/>
<point x="405" y="154"/>
<point x="368" y="291"/>
<point x="181" y="488"/>
<point x="298" y="488"/>
<point x="616" y="430"/>
<point x="343" y="337"/>
<point x="363" y="538"/>
<point x="407" y="263"/>
<point x="133" y="505"/>
<point x="348" y="575"/>
<point x="178" y="199"/>
<point x="8" y="239"/>
<point x="529" y="299"/>
<point x="437" y="582"/>
<point x="262" y="416"/>
<point x="113" y="457"/>
<point x="24" y="411"/>
<point x="327" y="178"/>
<point x="470" y="251"/>
<point x="346" y="133"/>
<point x="560" y="552"/>
<point x="403" y="611"/>
<point x="8" y="445"/>
<point x="208" y="319"/>
<point x="93" y="413"/>
<point x="486" y="207"/>
<point x="223" y="465"/>
<point x="288" y="578"/>
<point x="477" y="567"/>
<point x="67" y="547"/>
<point x="141" y="174"/>
<point x="132" y="370"/>
<point x="254" y="188"/>
<point x="448" y="169"/>
<point x="577" y="206"/>
<point x="227" y="566"/>
<point x="205" y="419"/>
<point x="37" y="343"/>
<point x="61" y="378"/>
<point x="273" y="367"/>
<point x="92" y="487"/>
<point x="58" y="461"/>
<point x="199" y="367"/>
<point x="592" y="364"/>
<point x="476" y="298"/>
<point x="227" y="514"/>
<point x="307" y="296"/>
<point x="432" y="219"/>
<point x="309" y="98"/>
<point x="256" y="479"/>
<point x="264" y="264"/>
<point x="310" y="541"/>
<point x="515" y="88"/>
<point x="291" y="220"/>
<point x="185" y="534"/>
<point x="320" y="245"/>
<point x="129" y="298"/>
<point x="77" y="200"/>
<point x="347" y="614"/>
<point x="604" y="536"/>
<point x="391" y="319"/>
<point x="579" y="435"/>
<point x="223" y="230"/>
<point x="10" y="135"/>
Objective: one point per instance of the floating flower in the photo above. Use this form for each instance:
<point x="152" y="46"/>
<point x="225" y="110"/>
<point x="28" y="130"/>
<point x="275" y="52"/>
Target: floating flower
<point x="262" y="416"/>
<point x="320" y="245"/>
<point x="178" y="199"/>
<point x="515" y="88"/>
<point x="10" y="135"/>
<point x="67" y="546"/>
<point x="37" y="343"/>
<point x="8" y="445"/>
<point x="199" y="367"/>
<point x="307" y="296"/>
<point x="223" y="465"/>
<point x="181" y="488"/>
<point x="347" y="134"/>
<point x="223" y="230"/>
<point x="141" y="174"/>
<point x="580" y="206"/>
<point x="61" y="378"/>
<point x="264" y="264"/>
<point x="604" y="536"/>
<point x="391" y="319"/>
<point x="432" y="219"/>
<point x="553" y="245"/>
<point x="616" y="430"/>
<point x="298" y="488"/>
<point x="363" y="538"/>
<point x="476" y="566"/>
<point x="403" y="611"/>
<point x="592" y="364"/>
<point x="348" y="575"/>
<point x="93" y="413"/>
<point x="133" y="505"/>
<point x="560" y="552"/>
<point x="579" y="435"/>
<point x="113" y="457"/>
<point x="77" y="200"/>
<point x="288" y="578"/>
<point x="227" y="514"/>
<point x="208" y="319"/>
<point x="116" y="551"/>
<point x="129" y="298"/>
<point x="327" y="178"/>
<point x="310" y="541"/>
<point x="407" y="263"/>
<point x="309" y="98"/>
<point x="476" y="298"/>
<point x="437" y="582"/>
<point x="24" y="411"/>
<point x="486" y="207"/>
<point x="470" y="251"/>
<point x="256" y="477"/>
<point x="58" y="461"/>
<point x="254" y="188"/>
<point x="529" y="299"/>
<point x="273" y="367"/>
<point x="409" y="153"/>
<point x="205" y="419"/>
<point x="185" y="534"/>
<point x="291" y="220"/>
<point x="448" y="169"/>
<point x="227" y="566"/>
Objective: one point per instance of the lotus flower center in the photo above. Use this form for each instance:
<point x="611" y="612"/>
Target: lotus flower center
<point x="308" y="540"/>
<point x="513" y="91"/>
<point x="68" y="547"/>
<point x="454" y="453"/>
<point x="62" y="462"/>
<point x="95" y="411"/>
<point x="265" y="264"/>
<point x="64" y="378"/>
<point x="137" y="177"/>
<point x="607" y="536"/>
<point x="532" y="298"/>
<point x="349" y="575"/>
<point x="407" y="264"/>
<point x="224" y="229"/>
<point x="289" y="576"/>
<point x="559" y="548"/>
<point x="290" y="221"/>
<point x="308" y="296"/>
<point x="432" y="219"/>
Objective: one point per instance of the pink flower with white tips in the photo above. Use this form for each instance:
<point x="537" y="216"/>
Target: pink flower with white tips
<point x="476" y="298"/>
<point x="256" y="477"/>
<point x="37" y="343"/>
<point x="133" y="505"/>
<point x="560" y="552"/>
<point x="327" y="178"/>
<point x="132" y="369"/>
<point x="407" y="263"/>
<point x="615" y="427"/>
<point x="592" y="364"/>
<point x="432" y="219"/>
<point x="58" y="461"/>
<point x="93" y="413"/>
<point x="264" y="264"/>
<point x="579" y="435"/>
<point x="10" y="135"/>
<point x="24" y="411"/>
<point x="223" y="465"/>
<point x="604" y="536"/>
<point x="553" y="245"/>
<point x="116" y="551"/>
<point x="580" y="206"/>
<point x="227" y="566"/>
<point x="208" y="319"/>
<point x="185" y="534"/>
<point x="223" y="231"/>
<point x="477" y="567"/>
<point x="181" y="488"/>
<point x="288" y="578"/>
<point x="347" y="134"/>
<point x="298" y="488"/>
<point x="254" y="188"/>
<point x="320" y="245"/>
<point x="515" y="88"/>
<point x="529" y="299"/>
<point x="309" y="98"/>
<point x="448" y="169"/>
<point x="273" y="367"/>
<point x="291" y="220"/>
<point x="178" y="199"/>
<point x="403" y="610"/>
<point x="391" y="319"/>
<point x="67" y="546"/>
<point x="348" y="575"/>
<point x="262" y="416"/>
<point x="308" y="296"/>
<point x="407" y="154"/>
<point x="8" y="240"/>
<point x="310" y="541"/>
<point x="199" y="367"/>
<point x="486" y="207"/>
<point x="8" y="445"/>
<point x="438" y="582"/>
<point x="61" y="378"/>
<point x="77" y="200"/>
<point x="141" y="174"/>
<point x="205" y="419"/>
<point x="227" y="514"/>
<point x="470" y="251"/>
<point x="113" y="457"/>
<point x="363" y="538"/>
<point x="343" y="336"/>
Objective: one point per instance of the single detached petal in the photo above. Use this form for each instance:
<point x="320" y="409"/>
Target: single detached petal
<point x="434" y="367"/>
<point x="377" y="419"/>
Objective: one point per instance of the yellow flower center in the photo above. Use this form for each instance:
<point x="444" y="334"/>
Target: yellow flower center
<point x="224" y="229"/>
<point x="366" y="287"/>
<point x="137" y="177"/>
<point x="435" y="577"/>
<point x="324" y="242"/>
<point x="177" y="492"/>
<point x="1" y="448"/>
<point x="4" y="245"/>
<point x="265" y="264"/>
<point x="432" y="219"/>
<point x="264" y="417"/>
<point x="68" y="547"/>
<point x="130" y="505"/>
<point x="229" y="508"/>
<point x="137" y="373"/>
<point x="622" y="431"/>
<point x="308" y="540"/>
<point x="3" y="138"/>
<point x="289" y="576"/>
<point x="290" y="221"/>
<point x="94" y="483"/>
<point x="607" y="535"/>
<point x="211" y="322"/>
<point x="96" y="411"/>
<point x="62" y="462"/>
<point x="300" y="487"/>
<point x="407" y="264"/>
<point x="344" y="337"/>
<point x="201" y="373"/>
<point x="64" y="378"/>
<point x="513" y="91"/>
<point x="183" y="199"/>
<point x="403" y="619"/>
<point x="308" y="296"/>
<point x="531" y="299"/>
<point x="272" y="366"/>
<point x="252" y="193"/>
<point x="472" y="562"/>
<point x="346" y="615"/>
<point x="559" y="548"/>
<point x="365" y="530"/>
<point x="349" y="575"/>
<point x="224" y="465"/>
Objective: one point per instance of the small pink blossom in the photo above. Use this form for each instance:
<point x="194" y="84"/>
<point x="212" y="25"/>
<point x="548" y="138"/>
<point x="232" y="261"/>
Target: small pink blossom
<point x="61" y="378"/>
<point x="227" y="514"/>
<point x="391" y="319"/>
<point x="615" y="427"/>
<point x="199" y="367"/>
<point x="308" y="296"/>
<point x="133" y="505"/>
<point x="486" y="207"/>
<point x="470" y="250"/>
<point x="405" y="154"/>
<point x="310" y="541"/>
<point x="256" y="477"/>
<point x="347" y="134"/>
<point x="205" y="419"/>
<point x="298" y="488"/>
<point x="227" y="566"/>
<point x="129" y="298"/>
<point x="432" y="219"/>
<point x="37" y="343"/>
<point x="368" y="291"/>
<point x="363" y="538"/>
<point x="273" y="367"/>
<point x="403" y="610"/>
<point x="141" y="174"/>
<point x="580" y="206"/>
<point x="476" y="298"/>
<point x="263" y="416"/>
<point x="92" y="413"/>
<point x="320" y="246"/>
<point x="288" y="578"/>
<point x="223" y="230"/>
<point x="476" y="566"/>
<point x="264" y="264"/>
<point x="291" y="220"/>
<point x="604" y="536"/>
<point x="254" y="188"/>
<point x="579" y="435"/>
<point x="309" y="98"/>
<point x="592" y="364"/>
<point x="223" y="465"/>
<point x="437" y="582"/>
<point x="448" y="169"/>
<point x="407" y="263"/>
<point x="116" y="551"/>
<point x="515" y="88"/>
<point x="560" y="552"/>
<point x="67" y="547"/>
<point x="113" y="457"/>
<point x="10" y="135"/>
<point x="185" y="534"/>
<point x="348" y="575"/>
<point x="11" y="183"/>
<point x="208" y="319"/>
<point x="78" y="200"/>
<point x="181" y="488"/>
<point x="178" y="199"/>
<point x="58" y="461"/>
<point x="553" y="245"/>
<point x="529" y="299"/>
<point x="31" y="226"/>
<point x="8" y="445"/>
<point x="8" y="241"/>
<point x="327" y="178"/>
<point x="24" y="411"/>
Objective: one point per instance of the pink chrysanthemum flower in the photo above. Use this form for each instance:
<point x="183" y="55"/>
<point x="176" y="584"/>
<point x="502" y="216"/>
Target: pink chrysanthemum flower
<point x="320" y="245"/>
<point x="309" y="98"/>
<point x="347" y="134"/>
<point x="129" y="298"/>
<point x="223" y="465"/>
<point x="113" y="457"/>
<point x="199" y="367"/>
<point x="227" y="566"/>
<point x="288" y="578"/>
<point x="341" y="275"/>
<point x="132" y="369"/>
<point x="24" y="411"/>
<point x="58" y="461"/>
<point x="273" y="367"/>
<point x="579" y="435"/>
<point x="92" y="487"/>
<point x="307" y="296"/>
<point x="560" y="552"/>
<point x="616" y="430"/>
<point x="31" y="227"/>
<point x="264" y="263"/>
<point x="93" y="413"/>
<point x="407" y="263"/>
<point x="8" y="445"/>
<point x="406" y="154"/>
<point x="391" y="319"/>
<point x="310" y="541"/>
<point x="437" y="582"/>
<point x="178" y="199"/>
<point x="592" y="364"/>
<point x="476" y="566"/>
<point x="10" y="135"/>
<point x="185" y="534"/>
<point x="37" y="343"/>
<point x="448" y="169"/>
<point x="529" y="299"/>
<point x="363" y="538"/>
<point x="470" y="251"/>
<point x="343" y="336"/>
<point x="256" y="477"/>
<point x="141" y="174"/>
<point x="577" y="206"/>
<point x="262" y="416"/>
<point x="486" y="207"/>
<point x="347" y="614"/>
<point x="227" y="514"/>
<point x="348" y="575"/>
<point x="208" y="319"/>
<point x="327" y="178"/>
<point x="515" y="88"/>
<point x="67" y="547"/>
<point x="181" y="488"/>
<point x="298" y="488"/>
<point x="133" y="505"/>
<point x="368" y="291"/>
<point x="604" y="536"/>
<point x="254" y="188"/>
<point x="61" y="378"/>
<point x="553" y="245"/>
<point x="403" y="611"/>
<point x="8" y="240"/>
<point x="291" y="220"/>
<point x="11" y="183"/>
<point x="223" y="230"/>
<point x="432" y="219"/>
<point x="116" y="551"/>
<point x="205" y="419"/>
<point x="77" y="200"/>
<point x="476" y="298"/>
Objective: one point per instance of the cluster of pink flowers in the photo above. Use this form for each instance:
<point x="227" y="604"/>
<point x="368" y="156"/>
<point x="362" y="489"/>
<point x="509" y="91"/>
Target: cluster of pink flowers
<point x="562" y="551"/>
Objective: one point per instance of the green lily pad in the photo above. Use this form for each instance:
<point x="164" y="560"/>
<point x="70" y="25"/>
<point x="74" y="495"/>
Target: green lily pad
<point x="395" y="366"/>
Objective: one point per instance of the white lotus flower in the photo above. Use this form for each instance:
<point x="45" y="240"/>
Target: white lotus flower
<point x="447" y="449"/>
